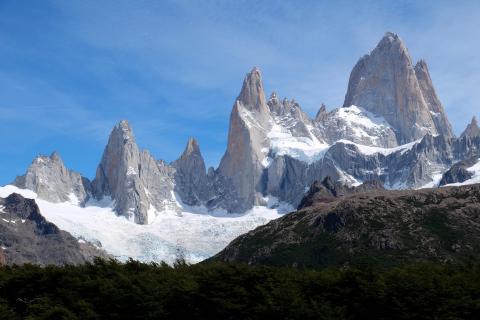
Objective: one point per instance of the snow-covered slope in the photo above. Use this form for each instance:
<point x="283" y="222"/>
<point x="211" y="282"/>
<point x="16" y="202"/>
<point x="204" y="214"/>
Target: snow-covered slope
<point x="369" y="150"/>
<point x="307" y="148"/>
<point x="357" y="125"/>
<point x="189" y="235"/>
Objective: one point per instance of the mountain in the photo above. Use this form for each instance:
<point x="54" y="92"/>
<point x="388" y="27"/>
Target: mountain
<point x="241" y="165"/>
<point x="472" y="130"/>
<point x="381" y="227"/>
<point x="27" y="237"/>
<point x="191" y="180"/>
<point x="386" y="83"/>
<point x="48" y="177"/>
<point x="139" y="185"/>
<point x="391" y="132"/>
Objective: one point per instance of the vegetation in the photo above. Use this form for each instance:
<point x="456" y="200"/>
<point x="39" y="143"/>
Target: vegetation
<point x="132" y="290"/>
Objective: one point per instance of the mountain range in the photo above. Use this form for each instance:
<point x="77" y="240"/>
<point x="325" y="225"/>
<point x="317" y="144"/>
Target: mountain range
<point x="391" y="129"/>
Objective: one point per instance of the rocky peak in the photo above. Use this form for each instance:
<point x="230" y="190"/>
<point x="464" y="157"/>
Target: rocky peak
<point x="55" y="157"/>
<point x="252" y="95"/>
<point x="421" y="67"/>
<point x="392" y="44"/>
<point x="322" y="112"/>
<point x="192" y="147"/>
<point x="191" y="181"/>
<point x="241" y="166"/>
<point x="137" y="183"/>
<point x="472" y="129"/>
<point x="273" y="97"/>
<point x="386" y="83"/>
<point x="51" y="180"/>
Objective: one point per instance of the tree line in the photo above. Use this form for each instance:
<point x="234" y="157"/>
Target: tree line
<point x="133" y="290"/>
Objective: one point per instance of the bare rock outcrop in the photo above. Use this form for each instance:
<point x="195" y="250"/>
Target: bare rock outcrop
<point x="138" y="184"/>
<point x="241" y="166"/>
<point x="27" y="237"/>
<point x="472" y="130"/>
<point x="48" y="177"/>
<point x="387" y="83"/>
<point x="191" y="181"/>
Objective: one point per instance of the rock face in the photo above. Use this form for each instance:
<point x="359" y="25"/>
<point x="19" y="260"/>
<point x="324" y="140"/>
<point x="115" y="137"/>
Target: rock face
<point x="48" y="177"/>
<point x="472" y="130"/>
<point x="191" y="181"/>
<point x="241" y="166"/>
<point x="458" y="173"/>
<point x="26" y="237"/>
<point x="330" y="190"/>
<point x="139" y="185"/>
<point x="386" y="83"/>
<point x="380" y="227"/>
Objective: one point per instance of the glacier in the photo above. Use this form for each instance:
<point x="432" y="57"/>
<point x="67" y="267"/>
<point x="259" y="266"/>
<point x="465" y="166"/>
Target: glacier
<point x="192" y="236"/>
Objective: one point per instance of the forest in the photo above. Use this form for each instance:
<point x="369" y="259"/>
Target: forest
<point x="108" y="289"/>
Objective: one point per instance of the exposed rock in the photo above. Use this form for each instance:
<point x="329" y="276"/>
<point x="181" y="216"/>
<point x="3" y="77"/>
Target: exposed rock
<point x="472" y="130"/>
<point x="322" y="112"/>
<point x="27" y="237"/>
<point x="329" y="190"/>
<point x="458" y="173"/>
<point x="289" y="115"/>
<point x="241" y="168"/>
<point x="137" y="183"/>
<point x="435" y="107"/>
<point x="191" y="181"/>
<point x="48" y="177"/>
<point x="380" y="227"/>
<point x="386" y="83"/>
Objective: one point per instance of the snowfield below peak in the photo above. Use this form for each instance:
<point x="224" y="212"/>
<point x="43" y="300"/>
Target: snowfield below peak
<point x="306" y="149"/>
<point x="369" y="150"/>
<point x="188" y="235"/>
<point x="358" y="125"/>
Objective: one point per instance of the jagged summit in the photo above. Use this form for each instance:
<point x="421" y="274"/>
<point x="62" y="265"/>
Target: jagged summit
<point x="124" y="130"/>
<point x="472" y="129"/>
<point x="386" y="83"/>
<point x="252" y="95"/>
<point x="321" y="113"/>
<point x="391" y="40"/>
<point x="55" y="156"/>
<point x="192" y="147"/>
<point x="191" y="182"/>
<point x="48" y="177"/>
<point x="133" y="179"/>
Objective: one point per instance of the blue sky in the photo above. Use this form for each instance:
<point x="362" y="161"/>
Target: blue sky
<point x="70" y="70"/>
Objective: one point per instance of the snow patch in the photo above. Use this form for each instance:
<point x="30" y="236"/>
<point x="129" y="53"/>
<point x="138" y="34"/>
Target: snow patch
<point x="436" y="178"/>
<point x="266" y="162"/>
<point x="131" y="171"/>
<point x="305" y="149"/>
<point x="355" y="115"/>
<point x="368" y="150"/>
